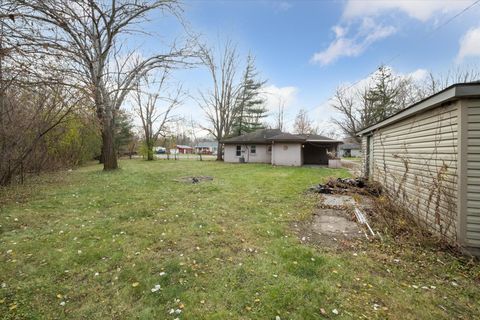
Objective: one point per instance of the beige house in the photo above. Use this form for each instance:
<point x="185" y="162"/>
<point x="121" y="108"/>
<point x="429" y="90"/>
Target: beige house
<point x="428" y="158"/>
<point x="279" y="148"/>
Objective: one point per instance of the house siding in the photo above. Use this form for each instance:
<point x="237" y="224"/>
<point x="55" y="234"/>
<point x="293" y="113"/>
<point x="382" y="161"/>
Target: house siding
<point x="415" y="159"/>
<point x="287" y="154"/>
<point x="262" y="155"/>
<point x="472" y="220"/>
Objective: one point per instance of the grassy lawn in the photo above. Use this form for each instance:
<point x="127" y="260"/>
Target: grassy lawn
<point x="89" y="244"/>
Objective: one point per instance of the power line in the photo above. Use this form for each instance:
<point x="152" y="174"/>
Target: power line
<point x="428" y="35"/>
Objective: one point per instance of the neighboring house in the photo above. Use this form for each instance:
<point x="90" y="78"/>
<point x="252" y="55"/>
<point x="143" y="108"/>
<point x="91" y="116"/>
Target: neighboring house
<point x="207" y="147"/>
<point x="279" y="148"/>
<point x="428" y="157"/>
<point x="350" y="150"/>
<point x="183" y="149"/>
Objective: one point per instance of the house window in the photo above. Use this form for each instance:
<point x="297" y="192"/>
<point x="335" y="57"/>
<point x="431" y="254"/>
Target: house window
<point x="253" y="149"/>
<point x="285" y="147"/>
<point x="269" y="148"/>
<point x="239" y="151"/>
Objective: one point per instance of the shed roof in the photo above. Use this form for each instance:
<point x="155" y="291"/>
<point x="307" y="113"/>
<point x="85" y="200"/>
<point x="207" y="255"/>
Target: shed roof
<point x="452" y="93"/>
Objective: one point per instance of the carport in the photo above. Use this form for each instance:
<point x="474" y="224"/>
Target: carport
<point x="316" y="148"/>
<point x="314" y="153"/>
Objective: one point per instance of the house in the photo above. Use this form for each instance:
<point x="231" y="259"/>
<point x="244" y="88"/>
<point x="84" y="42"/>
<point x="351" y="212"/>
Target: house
<point x="207" y="147"/>
<point x="183" y="149"/>
<point x="428" y="158"/>
<point x="279" y="148"/>
<point x="349" y="150"/>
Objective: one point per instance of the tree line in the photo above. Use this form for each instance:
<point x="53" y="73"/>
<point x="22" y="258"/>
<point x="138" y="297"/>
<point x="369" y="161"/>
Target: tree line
<point x="66" y="74"/>
<point x="387" y="93"/>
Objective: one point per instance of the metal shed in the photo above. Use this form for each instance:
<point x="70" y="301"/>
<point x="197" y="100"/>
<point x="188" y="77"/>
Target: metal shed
<point x="428" y="158"/>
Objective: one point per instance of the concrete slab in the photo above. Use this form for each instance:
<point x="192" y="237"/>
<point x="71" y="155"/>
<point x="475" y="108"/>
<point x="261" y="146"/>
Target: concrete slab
<point x="334" y="225"/>
<point x="337" y="200"/>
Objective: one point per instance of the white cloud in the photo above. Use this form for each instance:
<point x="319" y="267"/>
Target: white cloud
<point x="280" y="95"/>
<point x="368" y="33"/>
<point x="469" y="44"/>
<point x="417" y="9"/>
<point x="418" y="75"/>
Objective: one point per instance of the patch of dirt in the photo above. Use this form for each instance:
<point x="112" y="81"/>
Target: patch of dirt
<point x="333" y="224"/>
<point x="194" y="179"/>
<point x="329" y="228"/>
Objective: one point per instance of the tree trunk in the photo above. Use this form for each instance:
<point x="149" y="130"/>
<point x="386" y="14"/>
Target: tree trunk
<point x="109" y="156"/>
<point x="150" y="152"/>
<point x="219" y="152"/>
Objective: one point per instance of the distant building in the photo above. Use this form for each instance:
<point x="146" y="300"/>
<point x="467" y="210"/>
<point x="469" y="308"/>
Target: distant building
<point x="207" y="147"/>
<point x="184" y="149"/>
<point x="350" y="150"/>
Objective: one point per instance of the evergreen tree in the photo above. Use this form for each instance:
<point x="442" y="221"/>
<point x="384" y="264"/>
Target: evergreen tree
<point x="123" y="132"/>
<point x="382" y="98"/>
<point x="251" y="108"/>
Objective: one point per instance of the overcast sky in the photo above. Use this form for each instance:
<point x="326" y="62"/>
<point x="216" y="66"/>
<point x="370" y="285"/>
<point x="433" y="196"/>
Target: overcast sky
<point x="305" y="49"/>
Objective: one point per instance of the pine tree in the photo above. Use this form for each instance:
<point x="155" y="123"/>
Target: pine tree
<point x="251" y="108"/>
<point x="382" y="98"/>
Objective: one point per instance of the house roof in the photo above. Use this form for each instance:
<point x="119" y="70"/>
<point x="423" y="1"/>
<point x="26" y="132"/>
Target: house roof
<point x="258" y="136"/>
<point x="183" y="146"/>
<point x="452" y="93"/>
<point x="266" y="136"/>
<point x="287" y="137"/>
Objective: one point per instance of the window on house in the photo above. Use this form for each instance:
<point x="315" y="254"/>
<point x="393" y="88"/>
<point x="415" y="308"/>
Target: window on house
<point x="239" y="151"/>
<point x="269" y="148"/>
<point x="253" y="149"/>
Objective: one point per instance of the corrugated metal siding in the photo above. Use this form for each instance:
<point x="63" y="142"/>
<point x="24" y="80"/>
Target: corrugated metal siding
<point x="472" y="236"/>
<point x="416" y="160"/>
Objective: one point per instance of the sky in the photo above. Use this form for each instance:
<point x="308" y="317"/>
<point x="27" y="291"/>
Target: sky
<point x="306" y="49"/>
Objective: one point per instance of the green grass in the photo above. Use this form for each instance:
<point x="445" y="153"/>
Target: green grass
<point x="100" y="241"/>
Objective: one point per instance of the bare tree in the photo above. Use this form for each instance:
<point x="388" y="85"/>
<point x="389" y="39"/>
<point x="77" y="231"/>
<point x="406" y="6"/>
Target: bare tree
<point x="436" y="83"/>
<point x="279" y="122"/>
<point x="220" y="103"/>
<point x="193" y="133"/>
<point x="34" y="103"/>
<point x="385" y="95"/>
<point x="345" y="104"/>
<point x="89" y="34"/>
<point x="303" y="124"/>
<point x="154" y="116"/>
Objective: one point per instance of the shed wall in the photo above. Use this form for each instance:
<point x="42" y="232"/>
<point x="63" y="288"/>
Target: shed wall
<point x="472" y="230"/>
<point x="415" y="160"/>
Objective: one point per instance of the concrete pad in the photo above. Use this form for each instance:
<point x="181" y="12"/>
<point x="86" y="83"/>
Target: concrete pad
<point x="332" y="222"/>
<point x="334" y="225"/>
<point x="338" y="200"/>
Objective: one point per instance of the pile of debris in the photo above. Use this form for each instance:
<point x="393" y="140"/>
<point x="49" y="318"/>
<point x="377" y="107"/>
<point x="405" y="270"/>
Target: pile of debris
<point x="347" y="185"/>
